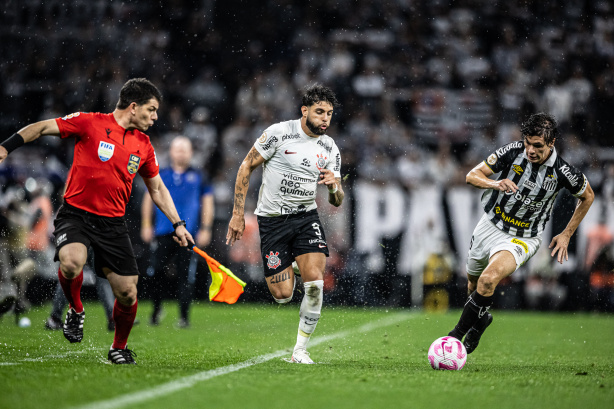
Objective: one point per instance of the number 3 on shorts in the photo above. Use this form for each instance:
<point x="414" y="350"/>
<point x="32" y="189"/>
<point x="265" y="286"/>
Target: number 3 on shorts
<point x="316" y="227"/>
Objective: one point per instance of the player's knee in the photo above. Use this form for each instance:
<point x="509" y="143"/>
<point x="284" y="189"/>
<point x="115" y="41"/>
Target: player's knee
<point x="281" y="293"/>
<point x="126" y="295"/>
<point x="488" y="283"/>
<point x="282" y="296"/>
<point x="127" y="299"/>
<point x="70" y="268"/>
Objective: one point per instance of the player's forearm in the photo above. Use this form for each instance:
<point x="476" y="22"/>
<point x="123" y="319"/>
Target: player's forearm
<point x="478" y="179"/>
<point x="578" y="215"/>
<point x="336" y="198"/>
<point x="241" y="188"/>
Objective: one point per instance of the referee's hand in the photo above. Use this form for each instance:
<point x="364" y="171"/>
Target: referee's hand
<point x="182" y="236"/>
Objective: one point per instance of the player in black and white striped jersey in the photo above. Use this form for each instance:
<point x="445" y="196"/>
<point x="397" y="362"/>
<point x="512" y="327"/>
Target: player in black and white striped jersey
<point x="517" y="207"/>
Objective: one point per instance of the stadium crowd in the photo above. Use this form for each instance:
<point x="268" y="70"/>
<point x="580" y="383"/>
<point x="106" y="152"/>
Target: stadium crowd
<point x="427" y="90"/>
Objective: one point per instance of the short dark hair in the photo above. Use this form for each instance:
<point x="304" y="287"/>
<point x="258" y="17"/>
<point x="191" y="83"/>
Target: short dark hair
<point x="139" y="90"/>
<point x="319" y="93"/>
<point x="541" y="124"/>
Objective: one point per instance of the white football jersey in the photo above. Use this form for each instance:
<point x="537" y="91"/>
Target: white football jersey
<point x="292" y="166"/>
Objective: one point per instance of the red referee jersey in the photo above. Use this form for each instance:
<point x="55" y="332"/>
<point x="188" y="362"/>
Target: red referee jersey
<point x="106" y="159"/>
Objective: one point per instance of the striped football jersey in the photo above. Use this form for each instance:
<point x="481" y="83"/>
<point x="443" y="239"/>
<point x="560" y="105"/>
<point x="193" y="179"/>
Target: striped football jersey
<point x="525" y="212"/>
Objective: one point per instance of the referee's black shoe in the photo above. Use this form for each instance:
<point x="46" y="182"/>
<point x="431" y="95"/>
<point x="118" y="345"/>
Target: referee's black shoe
<point x="472" y="339"/>
<point x="122" y="356"/>
<point x="73" y="325"/>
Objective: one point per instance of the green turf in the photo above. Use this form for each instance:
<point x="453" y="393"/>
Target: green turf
<point x="526" y="360"/>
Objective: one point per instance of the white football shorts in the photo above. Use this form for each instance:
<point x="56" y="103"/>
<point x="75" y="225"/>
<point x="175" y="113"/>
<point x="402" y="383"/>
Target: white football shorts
<point x="488" y="240"/>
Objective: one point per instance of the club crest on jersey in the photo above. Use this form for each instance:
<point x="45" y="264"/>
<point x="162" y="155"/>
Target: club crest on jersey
<point x="105" y="151"/>
<point x="550" y="183"/>
<point x="321" y="162"/>
<point x="133" y="164"/>
<point x="273" y="260"/>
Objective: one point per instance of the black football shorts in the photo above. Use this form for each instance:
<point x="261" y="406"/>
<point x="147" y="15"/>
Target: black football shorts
<point x="282" y="238"/>
<point x="107" y="236"/>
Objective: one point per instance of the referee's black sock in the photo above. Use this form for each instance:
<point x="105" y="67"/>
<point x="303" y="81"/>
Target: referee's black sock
<point x="476" y="306"/>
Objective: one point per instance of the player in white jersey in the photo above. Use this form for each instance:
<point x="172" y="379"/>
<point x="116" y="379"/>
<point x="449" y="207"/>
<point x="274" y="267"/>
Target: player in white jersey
<point x="297" y="157"/>
<point x="516" y="207"/>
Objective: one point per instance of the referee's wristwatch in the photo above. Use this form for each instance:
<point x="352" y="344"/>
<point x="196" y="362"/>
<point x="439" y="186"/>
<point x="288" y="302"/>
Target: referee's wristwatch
<point x="179" y="223"/>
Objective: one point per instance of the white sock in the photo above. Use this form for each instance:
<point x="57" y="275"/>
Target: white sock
<point x="311" y="306"/>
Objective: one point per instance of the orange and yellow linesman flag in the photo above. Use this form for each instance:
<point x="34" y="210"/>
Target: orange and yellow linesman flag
<point x="225" y="286"/>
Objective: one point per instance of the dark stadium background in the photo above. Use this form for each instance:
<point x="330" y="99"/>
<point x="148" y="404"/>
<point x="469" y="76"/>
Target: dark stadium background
<point x="427" y="89"/>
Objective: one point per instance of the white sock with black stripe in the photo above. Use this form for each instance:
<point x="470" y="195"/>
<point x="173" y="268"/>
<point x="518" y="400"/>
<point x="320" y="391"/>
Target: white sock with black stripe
<point x="311" y="307"/>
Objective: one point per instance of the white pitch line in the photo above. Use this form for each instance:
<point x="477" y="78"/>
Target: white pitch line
<point x="189" y="381"/>
<point x="51" y="356"/>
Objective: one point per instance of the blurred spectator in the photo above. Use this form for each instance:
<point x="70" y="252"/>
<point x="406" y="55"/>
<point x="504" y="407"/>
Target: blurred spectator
<point x="410" y="168"/>
<point x="203" y="135"/>
<point x="557" y="100"/>
<point x="543" y="291"/>
<point x="582" y="91"/>
<point x="599" y="264"/>
<point x="38" y="239"/>
<point x="237" y="139"/>
<point x="193" y="198"/>
<point x="442" y="169"/>
<point x="206" y="89"/>
<point x="16" y="267"/>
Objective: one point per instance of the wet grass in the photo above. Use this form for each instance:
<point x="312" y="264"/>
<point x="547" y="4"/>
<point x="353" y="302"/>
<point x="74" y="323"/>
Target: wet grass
<point x="368" y="358"/>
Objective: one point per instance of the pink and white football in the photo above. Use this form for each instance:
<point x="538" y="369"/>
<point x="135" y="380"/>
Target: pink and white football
<point x="447" y="353"/>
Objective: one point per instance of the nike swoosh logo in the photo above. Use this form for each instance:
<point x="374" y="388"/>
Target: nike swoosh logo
<point x="322" y="245"/>
<point x="287" y="152"/>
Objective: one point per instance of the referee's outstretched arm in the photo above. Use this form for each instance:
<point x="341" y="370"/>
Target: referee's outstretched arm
<point x="28" y="134"/>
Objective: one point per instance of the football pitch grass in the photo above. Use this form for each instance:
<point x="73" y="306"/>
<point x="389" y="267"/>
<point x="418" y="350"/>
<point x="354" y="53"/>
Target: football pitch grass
<point x="231" y="357"/>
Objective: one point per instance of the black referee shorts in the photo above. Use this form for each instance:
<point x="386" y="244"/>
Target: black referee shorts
<point x="168" y="251"/>
<point x="107" y="236"/>
<point x="282" y="238"/>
